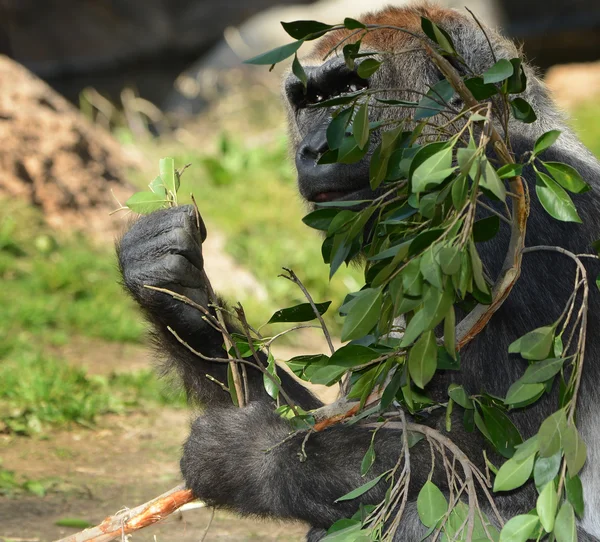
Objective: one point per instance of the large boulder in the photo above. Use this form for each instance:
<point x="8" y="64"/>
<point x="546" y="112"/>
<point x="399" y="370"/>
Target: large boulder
<point x="54" y="157"/>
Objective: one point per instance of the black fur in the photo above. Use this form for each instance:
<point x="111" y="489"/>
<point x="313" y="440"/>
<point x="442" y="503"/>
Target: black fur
<point x="240" y="458"/>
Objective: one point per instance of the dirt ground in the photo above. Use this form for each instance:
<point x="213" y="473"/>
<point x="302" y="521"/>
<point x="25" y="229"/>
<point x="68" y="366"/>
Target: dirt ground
<point x="123" y="462"/>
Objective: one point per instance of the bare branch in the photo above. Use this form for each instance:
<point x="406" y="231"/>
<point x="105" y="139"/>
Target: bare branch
<point x="129" y="521"/>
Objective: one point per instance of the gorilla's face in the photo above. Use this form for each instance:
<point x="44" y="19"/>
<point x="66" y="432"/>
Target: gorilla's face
<point x="406" y="74"/>
<point x="324" y="182"/>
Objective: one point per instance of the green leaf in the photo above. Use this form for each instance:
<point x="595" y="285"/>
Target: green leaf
<point x="522" y="111"/>
<point x="486" y="229"/>
<point x="345" y="358"/>
<point x="459" y="395"/>
<point x="437" y="35"/>
<point x="362" y="489"/>
<point x="353" y="24"/>
<point x="363" y="315"/>
<point x="350" y="51"/>
<point x="565" y="529"/>
<point x="168" y="175"/>
<point x="336" y="131"/>
<point x="550" y="433"/>
<point x="431" y="504"/>
<point x="521" y="392"/>
<point x="271" y="387"/>
<point x="360" y="126"/>
<point x="546" y="469"/>
<point x="508" y="171"/>
<point x="535" y="345"/>
<point x="546" y="506"/>
<point x="430" y="269"/>
<point x="491" y="181"/>
<point x="450" y="332"/>
<point x="436" y="304"/>
<point x="479" y="89"/>
<point x="276" y="55"/>
<point x="304" y="30"/>
<point x="554" y="199"/>
<point x="500" y="71"/>
<point x="299" y="313"/>
<point x="367" y="460"/>
<point x="567" y="176"/>
<point x="477" y="268"/>
<point x="528" y="448"/>
<point x="575" y="494"/>
<point x="501" y="432"/>
<point x="403" y="103"/>
<point x="368" y="67"/>
<point x="519" y="528"/>
<point x="517" y="82"/>
<point x="320" y="219"/>
<point x="543" y="370"/>
<point x="158" y="187"/>
<point x="433" y="170"/>
<point x="392" y="388"/>
<point x="545" y="141"/>
<point x="422" y="359"/>
<point x="575" y="450"/>
<point x="460" y="190"/>
<point x="145" y="203"/>
<point x="435" y="100"/>
<point x="424" y="240"/>
<point x="513" y="474"/>
<point x="449" y="258"/>
<point x="298" y="71"/>
<point x="74" y="523"/>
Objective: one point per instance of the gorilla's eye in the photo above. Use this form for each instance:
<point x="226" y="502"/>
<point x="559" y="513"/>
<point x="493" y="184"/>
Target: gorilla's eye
<point x="318" y="98"/>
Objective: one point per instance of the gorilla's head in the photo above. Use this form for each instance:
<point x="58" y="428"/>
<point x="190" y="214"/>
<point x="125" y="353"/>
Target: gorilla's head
<point x="407" y="74"/>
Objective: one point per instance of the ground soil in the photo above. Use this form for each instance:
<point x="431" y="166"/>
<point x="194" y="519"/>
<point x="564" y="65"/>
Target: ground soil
<point x="123" y="462"/>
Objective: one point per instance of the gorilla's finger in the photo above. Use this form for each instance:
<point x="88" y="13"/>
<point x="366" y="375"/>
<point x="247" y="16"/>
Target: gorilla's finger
<point x="181" y="241"/>
<point x="195" y="222"/>
<point x="177" y="269"/>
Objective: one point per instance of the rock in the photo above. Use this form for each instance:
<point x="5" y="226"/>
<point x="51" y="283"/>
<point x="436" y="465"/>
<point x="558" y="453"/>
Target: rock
<point x="55" y="158"/>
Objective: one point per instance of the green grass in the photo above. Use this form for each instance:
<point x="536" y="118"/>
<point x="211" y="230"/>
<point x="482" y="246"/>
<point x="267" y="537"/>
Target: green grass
<point x="250" y="195"/>
<point x="38" y="391"/>
<point x="55" y="287"/>
<point x="586" y="122"/>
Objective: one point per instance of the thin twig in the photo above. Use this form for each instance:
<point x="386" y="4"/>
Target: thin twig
<point x="293" y="277"/>
<point x="207" y="528"/>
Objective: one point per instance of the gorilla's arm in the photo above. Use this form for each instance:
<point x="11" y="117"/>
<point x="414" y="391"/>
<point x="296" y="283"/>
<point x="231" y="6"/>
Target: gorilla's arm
<point x="243" y="459"/>
<point x="164" y="249"/>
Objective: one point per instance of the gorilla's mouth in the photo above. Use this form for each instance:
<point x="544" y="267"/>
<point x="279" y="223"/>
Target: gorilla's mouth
<point x="328" y="196"/>
<point x="341" y="195"/>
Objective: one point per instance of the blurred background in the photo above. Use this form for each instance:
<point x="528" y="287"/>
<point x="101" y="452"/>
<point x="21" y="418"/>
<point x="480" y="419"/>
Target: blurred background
<point x="92" y="94"/>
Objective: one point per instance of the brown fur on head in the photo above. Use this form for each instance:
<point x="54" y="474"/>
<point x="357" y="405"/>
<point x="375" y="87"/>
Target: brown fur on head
<point x="389" y="40"/>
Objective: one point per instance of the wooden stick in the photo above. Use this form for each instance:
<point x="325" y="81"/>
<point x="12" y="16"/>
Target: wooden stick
<point x="129" y="521"/>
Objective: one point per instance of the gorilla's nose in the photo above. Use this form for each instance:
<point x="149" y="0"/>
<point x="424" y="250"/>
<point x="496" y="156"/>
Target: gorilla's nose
<point x="311" y="148"/>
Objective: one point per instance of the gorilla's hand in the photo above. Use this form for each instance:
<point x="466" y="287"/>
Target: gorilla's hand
<point x="164" y="250"/>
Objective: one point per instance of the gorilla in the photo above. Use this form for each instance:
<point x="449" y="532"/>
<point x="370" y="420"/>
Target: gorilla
<point x="244" y="459"/>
